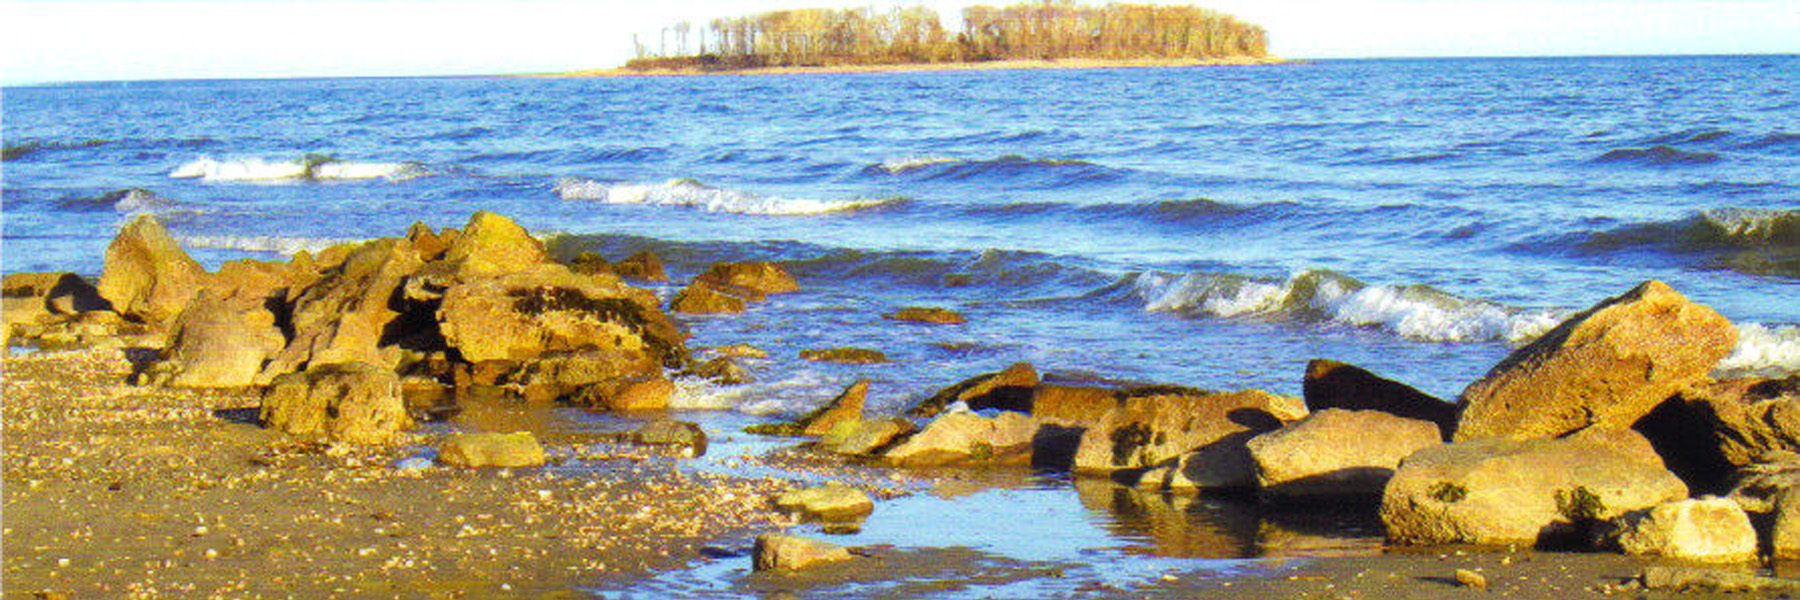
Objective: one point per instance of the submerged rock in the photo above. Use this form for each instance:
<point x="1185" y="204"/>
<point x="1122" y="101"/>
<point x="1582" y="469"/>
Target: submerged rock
<point x="1713" y="581"/>
<point x="349" y="402"/>
<point x="703" y="298"/>
<point x="642" y="266"/>
<point x="763" y="277"/>
<point x="1505" y="491"/>
<point x="932" y="315"/>
<point x="1332" y="384"/>
<point x="517" y="449"/>
<point x="782" y="552"/>
<point x="833" y="501"/>
<point x="1606" y="367"/>
<point x="1336" y="452"/>
<point x="849" y="356"/>
<point x="1702" y="529"/>
<point x="665" y="432"/>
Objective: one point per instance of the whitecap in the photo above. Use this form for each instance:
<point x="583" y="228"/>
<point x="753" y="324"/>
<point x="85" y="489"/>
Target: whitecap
<point x="687" y="193"/>
<point x="309" y="168"/>
<point x="1762" y="349"/>
<point x="259" y="243"/>
<point x="898" y="166"/>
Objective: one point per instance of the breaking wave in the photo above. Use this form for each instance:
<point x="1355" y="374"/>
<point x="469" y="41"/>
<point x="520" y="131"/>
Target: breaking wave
<point x="129" y="200"/>
<point x="311" y="167"/>
<point x="688" y="193"/>
<point x="1764" y="350"/>
<point x="259" y="243"/>
<point x="1417" y="312"/>
<point x="1012" y="169"/>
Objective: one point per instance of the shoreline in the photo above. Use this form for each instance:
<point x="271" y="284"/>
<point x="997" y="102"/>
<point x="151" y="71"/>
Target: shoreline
<point x="997" y="65"/>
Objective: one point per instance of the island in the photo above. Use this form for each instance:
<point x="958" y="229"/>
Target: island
<point x="1048" y="34"/>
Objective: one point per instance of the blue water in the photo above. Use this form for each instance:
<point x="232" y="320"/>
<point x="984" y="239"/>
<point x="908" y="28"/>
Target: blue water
<point x="1213" y="227"/>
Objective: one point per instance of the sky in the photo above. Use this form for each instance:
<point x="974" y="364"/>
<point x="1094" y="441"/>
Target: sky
<point x="102" y="40"/>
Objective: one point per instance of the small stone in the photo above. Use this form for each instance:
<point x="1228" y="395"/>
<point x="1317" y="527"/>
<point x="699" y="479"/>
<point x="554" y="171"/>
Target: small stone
<point x="787" y="552"/>
<point x="1467" y="578"/>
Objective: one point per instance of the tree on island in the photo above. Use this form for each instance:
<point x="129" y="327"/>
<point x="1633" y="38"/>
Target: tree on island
<point x="1046" y="30"/>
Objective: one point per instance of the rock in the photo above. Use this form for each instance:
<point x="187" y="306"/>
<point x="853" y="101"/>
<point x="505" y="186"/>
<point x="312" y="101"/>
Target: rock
<point x="1784" y="535"/>
<point x="1507" y="491"/>
<point x="521" y="316"/>
<point x="849" y="356"/>
<point x="725" y="371"/>
<point x="1749" y="418"/>
<point x="506" y="450"/>
<point x="560" y="375"/>
<point x="936" y="316"/>
<point x="963" y="437"/>
<point x="1332" y="384"/>
<point x="345" y="316"/>
<point x="1337" y="452"/>
<point x="29" y="297"/>
<point x="1470" y="579"/>
<point x="642" y="266"/>
<point x="350" y="402"/>
<point x="1711" y="581"/>
<point x="147" y="274"/>
<point x="847" y="406"/>
<point x="833" y="502"/>
<point x="430" y="244"/>
<point x="1222" y="465"/>
<point x="219" y="343"/>
<point x="1147" y="430"/>
<point x="1759" y="485"/>
<point x="782" y="552"/>
<point x="630" y="395"/>
<point x="764" y="277"/>
<point x="590" y="263"/>
<point x="1075" y="405"/>
<point x="1707" y="529"/>
<point x="664" y="432"/>
<point x="1608" y="367"/>
<point x="491" y="244"/>
<point x="1009" y="388"/>
<point x="861" y="438"/>
<point x="260" y="281"/>
<point x="703" y="298"/>
<point x="741" y="351"/>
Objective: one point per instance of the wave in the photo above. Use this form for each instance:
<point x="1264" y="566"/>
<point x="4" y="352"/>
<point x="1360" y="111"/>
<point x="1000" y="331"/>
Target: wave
<point x="1010" y="168"/>
<point x="1417" y="312"/>
<point x="311" y="167"/>
<point x="259" y="243"/>
<point x="1779" y="139"/>
<point x="1764" y="350"/>
<point x="129" y="200"/>
<point x="21" y="150"/>
<point x="1691" y="136"/>
<point x="1658" y="155"/>
<point x="1713" y="229"/>
<point x="689" y="193"/>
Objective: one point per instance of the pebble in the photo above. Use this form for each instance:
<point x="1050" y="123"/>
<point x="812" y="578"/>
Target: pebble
<point x="1471" y="579"/>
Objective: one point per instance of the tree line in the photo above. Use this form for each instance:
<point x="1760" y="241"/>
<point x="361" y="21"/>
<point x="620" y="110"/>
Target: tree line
<point x="1046" y="30"/>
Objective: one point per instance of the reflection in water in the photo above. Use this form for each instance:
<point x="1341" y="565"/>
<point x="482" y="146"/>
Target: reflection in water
<point x="1187" y="526"/>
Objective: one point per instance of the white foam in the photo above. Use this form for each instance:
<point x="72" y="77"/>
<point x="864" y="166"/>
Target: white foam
<point x="688" y="193"/>
<point x="897" y="166"/>
<point x="257" y="169"/>
<point x="796" y="395"/>
<point x="1762" y="348"/>
<point x="1413" y="312"/>
<point x="259" y="243"/>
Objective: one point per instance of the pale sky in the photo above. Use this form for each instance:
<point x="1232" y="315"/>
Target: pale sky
<point x="83" y="40"/>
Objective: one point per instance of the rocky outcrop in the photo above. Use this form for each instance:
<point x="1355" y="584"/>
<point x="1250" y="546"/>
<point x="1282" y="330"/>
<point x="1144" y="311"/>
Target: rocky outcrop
<point x="1331" y="384"/>
<point x="782" y="552"/>
<point x="701" y="298"/>
<point x="1702" y="529"/>
<point x="1507" y="491"/>
<point x="218" y="343"/>
<point x="147" y="275"/>
<point x="524" y="315"/>
<point x="344" y="316"/>
<point x="1606" y="367"/>
<point x="830" y="502"/>
<point x="763" y="277"/>
<point x="961" y="437"/>
<point x="505" y="450"/>
<point x="349" y="402"/>
<point x="1149" y="430"/>
<point x="1010" y="389"/>
<point x="490" y="244"/>
<point x="931" y="315"/>
<point x="1336" y="452"/>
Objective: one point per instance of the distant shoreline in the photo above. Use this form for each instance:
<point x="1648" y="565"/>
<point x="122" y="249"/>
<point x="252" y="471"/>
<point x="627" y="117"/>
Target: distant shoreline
<point x="995" y="65"/>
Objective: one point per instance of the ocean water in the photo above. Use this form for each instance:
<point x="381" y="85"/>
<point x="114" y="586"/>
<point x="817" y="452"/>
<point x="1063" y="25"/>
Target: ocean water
<point x="1211" y="227"/>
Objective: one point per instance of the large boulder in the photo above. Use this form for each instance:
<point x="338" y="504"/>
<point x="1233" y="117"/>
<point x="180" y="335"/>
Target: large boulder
<point x="218" y="343"/>
<point x="1507" y="491"/>
<point x="962" y="437"/>
<point x="524" y="315"/>
<point x="763" y="277"/>
<point x="504" y="450"/>
<point x="1010" y="388"/>
<point x="1606" y="367"/>
<point x="1336" y="452"/>
<point x="349" y="402"/>
<point x="147" y="274"/>
<point x="1700" y="529"/>
<point x="782" y="552"/>
<point x="346" y="315"/>
<point x="1149" y="430"/>
<point x="1749" y="418"/>
<point x="1332" y="384"/>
